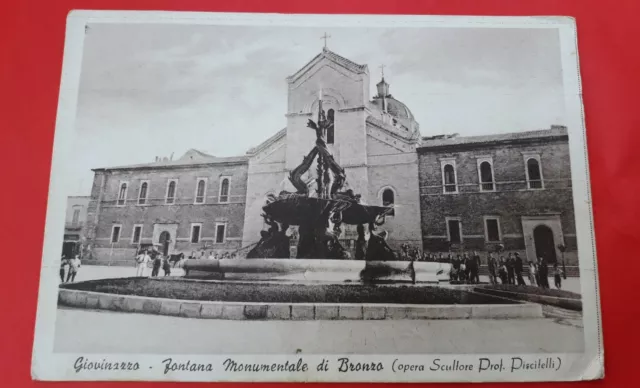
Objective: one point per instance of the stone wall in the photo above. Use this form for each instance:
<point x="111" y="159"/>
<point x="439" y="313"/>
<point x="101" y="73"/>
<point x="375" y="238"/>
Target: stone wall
<point x="512" y="201"/>
<point x="105" y="211"/>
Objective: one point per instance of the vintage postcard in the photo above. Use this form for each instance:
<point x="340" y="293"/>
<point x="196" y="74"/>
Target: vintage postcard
<point x="266" y="197"/>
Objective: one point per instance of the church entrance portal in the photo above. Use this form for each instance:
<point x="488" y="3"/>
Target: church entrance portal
<point x="544" y="243"/>
<point x="165" y="239"/>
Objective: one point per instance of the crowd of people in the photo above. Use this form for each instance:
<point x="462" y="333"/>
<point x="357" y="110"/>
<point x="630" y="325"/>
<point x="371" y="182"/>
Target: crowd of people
<point x="509" y="269"/>
<point x="213" y="255"/>
<point x="69" y="268"/>
<point x="152" y="258"/>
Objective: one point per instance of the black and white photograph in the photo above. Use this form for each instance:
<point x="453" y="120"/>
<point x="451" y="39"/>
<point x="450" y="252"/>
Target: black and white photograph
<point x="244" y="197"/>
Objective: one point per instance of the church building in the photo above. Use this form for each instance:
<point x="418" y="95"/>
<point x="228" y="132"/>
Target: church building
<point x="447" y="192"/>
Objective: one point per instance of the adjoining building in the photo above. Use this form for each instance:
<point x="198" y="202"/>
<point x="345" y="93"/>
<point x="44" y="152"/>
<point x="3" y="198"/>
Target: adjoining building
<point x="74" y="225"/>
<point x="195" y="202"/>
<point x="448" y="192"/>
<point x="512" y="190"/>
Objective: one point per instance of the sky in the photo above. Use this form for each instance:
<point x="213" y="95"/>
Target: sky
<point x="151" y="90"/>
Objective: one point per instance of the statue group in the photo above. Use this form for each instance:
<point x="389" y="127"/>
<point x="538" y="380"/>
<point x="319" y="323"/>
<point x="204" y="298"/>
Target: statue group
<point x="320" y="216"/>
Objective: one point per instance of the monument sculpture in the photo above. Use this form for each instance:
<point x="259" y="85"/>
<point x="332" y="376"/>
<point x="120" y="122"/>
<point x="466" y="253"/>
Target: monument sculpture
<point x="319" y="215"/>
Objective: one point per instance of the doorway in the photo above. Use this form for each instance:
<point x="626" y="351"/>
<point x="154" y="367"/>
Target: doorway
<point x="164" y="240"/>
<point x="544" y="243"/>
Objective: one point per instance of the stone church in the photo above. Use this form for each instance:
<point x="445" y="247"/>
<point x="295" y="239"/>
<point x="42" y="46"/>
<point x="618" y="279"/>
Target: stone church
<point x="447" y="192"/>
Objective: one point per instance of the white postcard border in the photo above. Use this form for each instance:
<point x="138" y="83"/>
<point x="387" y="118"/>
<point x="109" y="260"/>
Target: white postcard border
<point x="47" y="365"/>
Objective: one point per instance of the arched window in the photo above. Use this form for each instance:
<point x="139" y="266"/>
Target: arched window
<point x="122" y="195"/>
<point x="142" y="196"/>
<point x="486" y="177"/>
<point x="200" y="191"/>
<point x="388" y="199"/>
<point x="171" y="192"/>
<point x="534" y="177"/>
<point x="76" y="217"/>
<point x="449" y="179"/>
<point x="331" y="127"/>
<point x="224" y="190"/>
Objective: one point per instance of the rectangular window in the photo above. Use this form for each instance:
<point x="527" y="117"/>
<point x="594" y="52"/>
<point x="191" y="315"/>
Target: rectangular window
<point x="76" y="217"/>
<point x="137" y="233"/>
<point x="220" y="233"/>
<point x="492" y="229"/>
<point x="195" y="233"/>
<point x="115" y="233"/>
<point x="454" y="230"/>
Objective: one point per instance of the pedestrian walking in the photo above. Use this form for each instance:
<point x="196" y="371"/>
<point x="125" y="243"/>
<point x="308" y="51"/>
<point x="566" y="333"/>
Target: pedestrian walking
<point x="74" y="267"/>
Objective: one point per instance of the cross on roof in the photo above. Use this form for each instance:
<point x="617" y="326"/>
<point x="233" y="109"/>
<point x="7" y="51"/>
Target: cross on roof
<point x="382" y="69"/>
<point x="325" y="37"/>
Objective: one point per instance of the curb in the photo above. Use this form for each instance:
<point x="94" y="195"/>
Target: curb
<point x="290" y="311"/>
<point x="565" y="303"/>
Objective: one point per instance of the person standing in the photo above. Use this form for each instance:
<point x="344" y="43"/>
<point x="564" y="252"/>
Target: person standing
<point x="502" y="271"/>
<point x="141" y="262"/>
<point x="557" y="276"/>
<point x="543" y="273"/>
<point x="64" y="267"/>
<point x="518" y="267"/>
<point x="157" y="262"/>
<point x="166" y="266"/>
<point x="533" y="274"/>
<point x="74" y="267"/>
<point x="476" y="265"/>
<point x="492" y="266"/>
<point x="511" y="279"/>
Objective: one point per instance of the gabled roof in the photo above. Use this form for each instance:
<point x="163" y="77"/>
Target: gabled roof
<point x="556" y="132"/>
<point x="278" y="135"/>
<point x="192" y="157"/>
<point x="333" y="57"/>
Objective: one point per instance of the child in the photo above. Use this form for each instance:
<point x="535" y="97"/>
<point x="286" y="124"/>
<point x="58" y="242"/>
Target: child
<point x="557" y="276"/>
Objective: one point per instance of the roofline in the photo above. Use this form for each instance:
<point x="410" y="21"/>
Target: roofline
<point x="173" y="166"/>
<point x="356" y="67"/>
<point x="485" y="143"/>
<point x="269" y="141"/>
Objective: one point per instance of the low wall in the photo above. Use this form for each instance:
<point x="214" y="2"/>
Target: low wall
<point x="314" y="269"/>
<point x="291" y="311"/>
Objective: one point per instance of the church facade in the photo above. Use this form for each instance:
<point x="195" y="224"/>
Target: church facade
<point x="438" y="187"/>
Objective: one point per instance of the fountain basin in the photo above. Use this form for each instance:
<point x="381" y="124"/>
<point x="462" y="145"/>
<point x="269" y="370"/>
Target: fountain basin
<point x="318" y="270"/>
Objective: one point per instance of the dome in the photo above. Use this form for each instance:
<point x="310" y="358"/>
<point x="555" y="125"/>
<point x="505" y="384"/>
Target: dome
<point x="394" y="107"/>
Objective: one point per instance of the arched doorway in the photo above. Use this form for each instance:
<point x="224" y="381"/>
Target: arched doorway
<point x="544" y="243"/>
<point x="165" y="239"/>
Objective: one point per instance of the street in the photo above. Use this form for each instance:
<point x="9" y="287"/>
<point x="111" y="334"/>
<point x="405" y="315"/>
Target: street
<point x="82" y="331"/>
